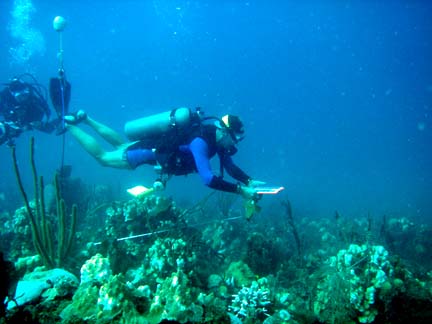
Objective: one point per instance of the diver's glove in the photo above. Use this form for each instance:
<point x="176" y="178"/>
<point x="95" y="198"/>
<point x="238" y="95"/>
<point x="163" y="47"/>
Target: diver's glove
<point x="248" y="193"/>
<point x="255" y="183"/>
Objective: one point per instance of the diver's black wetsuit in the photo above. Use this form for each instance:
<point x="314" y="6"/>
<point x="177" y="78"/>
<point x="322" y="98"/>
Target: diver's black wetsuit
<point x="23" y="108"/>
<point x="193" y="156"/>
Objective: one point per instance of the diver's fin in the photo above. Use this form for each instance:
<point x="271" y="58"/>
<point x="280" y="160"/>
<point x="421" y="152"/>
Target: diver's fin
<point x="251" y="208"/>
<point x="56" y="95"/>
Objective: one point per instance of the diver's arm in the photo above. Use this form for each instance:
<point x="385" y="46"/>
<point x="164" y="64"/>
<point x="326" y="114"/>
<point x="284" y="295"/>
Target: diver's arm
<point x="247" y="190"/>
<point x="8" y="131"/>
<point x="199" y="150"/>
<point x="49" y="126"/>
<point x="233" y="170"/>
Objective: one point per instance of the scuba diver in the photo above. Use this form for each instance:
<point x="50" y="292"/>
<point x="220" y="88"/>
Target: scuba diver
<point x="177" y="142"/>
<point x="24" y="106"/>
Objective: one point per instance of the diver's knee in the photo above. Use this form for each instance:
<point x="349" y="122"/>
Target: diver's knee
<point x="103" y="162"/>
<point x="108" y="161"/>
<point x="101" y="159"/>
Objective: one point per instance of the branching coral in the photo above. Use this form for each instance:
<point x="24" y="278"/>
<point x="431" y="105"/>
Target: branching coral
<point x="43" y="236"/>
<point x="251" y="302"/>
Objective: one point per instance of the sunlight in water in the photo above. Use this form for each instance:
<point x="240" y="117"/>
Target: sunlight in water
<point x="28" y="41"/>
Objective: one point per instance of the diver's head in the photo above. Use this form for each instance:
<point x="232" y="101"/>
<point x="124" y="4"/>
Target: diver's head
<point x="230" y="132"/>
<point x="19" y="90"/>
<point x="234" y="126"/>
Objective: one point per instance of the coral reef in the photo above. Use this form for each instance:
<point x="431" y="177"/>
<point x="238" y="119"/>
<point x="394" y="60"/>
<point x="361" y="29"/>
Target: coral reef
<point x="163" y="263"/>
<point x="96" y="270"/>
<point x="251" y="302"/>
<point x="174" y="300"/>
<point x="45" y="285"/>
<point x="359" y="272"/>
<point x="239" y="274"/>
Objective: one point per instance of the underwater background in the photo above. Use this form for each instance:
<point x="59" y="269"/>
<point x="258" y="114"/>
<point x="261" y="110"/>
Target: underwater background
<point x="336" y="97"/>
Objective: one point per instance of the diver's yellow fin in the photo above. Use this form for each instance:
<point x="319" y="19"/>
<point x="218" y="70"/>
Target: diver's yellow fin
<point x="251" y="208"/>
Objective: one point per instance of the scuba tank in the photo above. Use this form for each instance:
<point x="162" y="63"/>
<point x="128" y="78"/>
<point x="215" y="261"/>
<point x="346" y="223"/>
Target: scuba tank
<point x="156" y="126"/>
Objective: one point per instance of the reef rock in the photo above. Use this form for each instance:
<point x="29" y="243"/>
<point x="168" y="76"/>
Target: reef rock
<point x="44" y="284"/>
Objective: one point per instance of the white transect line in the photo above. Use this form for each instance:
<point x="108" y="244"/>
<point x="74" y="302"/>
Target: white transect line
<point x="170" y="229"/>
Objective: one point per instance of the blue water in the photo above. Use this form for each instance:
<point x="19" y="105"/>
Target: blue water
<point x="336" y="95"/>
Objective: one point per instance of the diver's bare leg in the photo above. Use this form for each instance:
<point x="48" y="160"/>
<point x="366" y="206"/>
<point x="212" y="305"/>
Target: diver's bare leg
<point x="114" y="159"/>
<point x="107" y="133"/>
